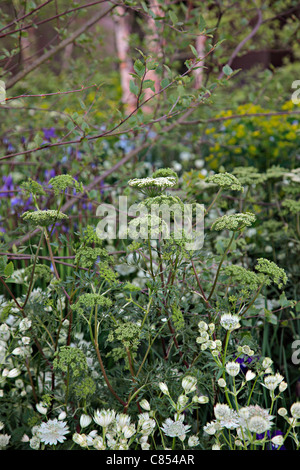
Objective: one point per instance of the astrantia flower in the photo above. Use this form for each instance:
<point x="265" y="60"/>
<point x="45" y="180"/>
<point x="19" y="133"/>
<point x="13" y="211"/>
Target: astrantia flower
<point x="104" y="417"/>
<point x="230" y="322"/>
<point x="295" y="410"/>
<point x="226" y="416"/>
<point x="175" y="428"/>
<point x="232" y="368"/>
<point x="258" y="424"/>
<point x="145" y="404"/>
<point x="210" y="428"/>
<point x="4" y="440"/>
<point x="193" y="441"/>
<point x="85" y="420"/>
<point x="272" y="381"/>
<point x="53" y="431"/>
<point x="255" y="418"/>
<point x="189" y="384"/>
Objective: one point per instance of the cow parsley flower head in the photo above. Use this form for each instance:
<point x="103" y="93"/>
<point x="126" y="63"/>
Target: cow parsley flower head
<point x="43" y="218"/>
<point x="53" y="431"/>
<point x="152" y="186"/>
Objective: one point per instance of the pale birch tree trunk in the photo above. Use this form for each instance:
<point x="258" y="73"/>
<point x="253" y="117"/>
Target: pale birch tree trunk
<point x="122" y="33"/>
<point x="198" y="73"/>
<point x="154" y="42"/>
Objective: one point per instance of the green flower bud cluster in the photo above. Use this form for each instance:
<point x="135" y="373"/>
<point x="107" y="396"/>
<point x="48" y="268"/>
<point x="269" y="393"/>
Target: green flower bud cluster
<point x="70" y="358"/>
<point x="234" y="222"/>
<point x="41" y="271"/>
<point x="243" y="276"/>
<point x="292" y="205"/>
<point x="89" y="301"/>
<point x="33" y="187"/>
<point x="128" y="333"/>
<point x="270" y="269"/>
<point x="43" y="218"/>
<point x="249" y="175"/>
<point x="165" y="173"/>
<point x="61" y="182"/>
<point x="225" y="181"/>
<point x="86" y="256"/>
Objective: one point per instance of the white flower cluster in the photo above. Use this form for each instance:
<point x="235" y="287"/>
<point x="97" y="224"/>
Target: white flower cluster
<point x="118" y="432"/>
<point x="152" y="186"/>
<point x="247" y="421"/>
<point x="162" y="182"/>
<point x="205" y="338"/>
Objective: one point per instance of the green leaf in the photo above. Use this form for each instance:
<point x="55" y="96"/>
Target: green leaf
<point x="134" y="88"/>
<point x="202" y="23"/>
<point x="227" y="70"/>
<point x="9" y="269"/>
<point x="165" y="82"/>
<point x="173" y="17"/>
<point x="194" y="51"/>
<point x="149" y="84"/>
<point x="139" y="68"/>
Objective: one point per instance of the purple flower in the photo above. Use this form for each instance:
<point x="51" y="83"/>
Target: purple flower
<point x="7" y="186"/>
<point x="49" y="174"/>
<point x="270" y="436"/>
<point x="49" y="133"/>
